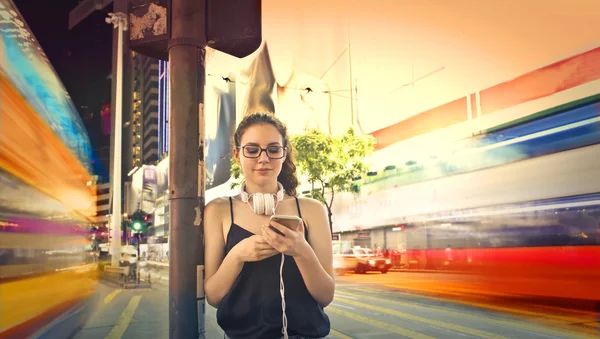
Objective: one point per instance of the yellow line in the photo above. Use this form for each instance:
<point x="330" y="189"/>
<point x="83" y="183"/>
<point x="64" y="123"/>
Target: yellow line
<point x="339" y="334"/>
<point x="124" y="319"/>
<point x="111" y="296"/>
<point x="508" y="323"/>
<point x="458" y="328"/>
<point x="488" y="306"/>
<point x="539" y="317"/>
<point x="377" y="323"/>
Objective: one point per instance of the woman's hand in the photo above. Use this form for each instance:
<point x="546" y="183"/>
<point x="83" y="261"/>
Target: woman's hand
<point x="254" y="248"/>
<point x="292" y="243"/>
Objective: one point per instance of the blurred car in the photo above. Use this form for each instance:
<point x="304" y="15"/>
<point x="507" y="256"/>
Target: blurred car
<point x="360" y="260"/>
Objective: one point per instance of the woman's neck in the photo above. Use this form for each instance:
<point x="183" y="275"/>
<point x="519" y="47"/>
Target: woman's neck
<point x="252" y="188"/>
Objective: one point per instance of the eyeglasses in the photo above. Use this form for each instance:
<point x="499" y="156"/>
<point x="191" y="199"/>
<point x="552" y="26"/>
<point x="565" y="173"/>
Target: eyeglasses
<point x="273" y="152"/>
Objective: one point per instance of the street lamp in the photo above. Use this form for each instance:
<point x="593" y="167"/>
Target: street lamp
<point x="119" y="21"/>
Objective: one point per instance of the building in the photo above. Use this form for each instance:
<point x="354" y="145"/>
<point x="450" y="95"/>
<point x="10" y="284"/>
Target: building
<point x="102" y="203"/>
<point x="150" y="114"/>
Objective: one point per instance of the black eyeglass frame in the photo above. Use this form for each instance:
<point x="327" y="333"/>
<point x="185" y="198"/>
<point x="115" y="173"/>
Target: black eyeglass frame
<point x="263" y="150"/>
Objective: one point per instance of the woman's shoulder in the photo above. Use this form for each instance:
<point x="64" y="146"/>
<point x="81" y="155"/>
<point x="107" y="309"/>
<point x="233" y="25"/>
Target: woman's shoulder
<point x="311" y="205"/>
<point x="217" y="204"/>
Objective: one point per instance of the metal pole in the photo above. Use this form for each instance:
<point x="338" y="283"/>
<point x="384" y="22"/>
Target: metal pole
<point x="137" y="262"/>
<point x="185" y="50"/>
<point x="119" y="21"/>
<point x="352" y="124"/>
<point x="200" y="296"/>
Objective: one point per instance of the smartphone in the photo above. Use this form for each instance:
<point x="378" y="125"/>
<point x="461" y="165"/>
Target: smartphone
<point x="289" y="221"/>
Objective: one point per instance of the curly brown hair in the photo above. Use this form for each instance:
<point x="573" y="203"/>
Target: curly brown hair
<point x="287" y="177"/>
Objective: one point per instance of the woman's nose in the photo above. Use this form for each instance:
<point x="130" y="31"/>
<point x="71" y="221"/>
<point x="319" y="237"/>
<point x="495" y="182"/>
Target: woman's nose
<point x="263" y="157"/>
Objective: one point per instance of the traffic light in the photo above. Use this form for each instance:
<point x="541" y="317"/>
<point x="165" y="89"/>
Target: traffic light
<point x="138" y="221"/>
<point x="136" y="225"/>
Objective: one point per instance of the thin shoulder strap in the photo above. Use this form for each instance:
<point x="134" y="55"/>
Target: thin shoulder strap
<point x="298" y="205"/>
<point x="231" y="208"/>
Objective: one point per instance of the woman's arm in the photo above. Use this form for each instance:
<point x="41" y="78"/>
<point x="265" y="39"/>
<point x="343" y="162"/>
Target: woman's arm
<point x="315" y="262"/>
<point x="220" y="272"/>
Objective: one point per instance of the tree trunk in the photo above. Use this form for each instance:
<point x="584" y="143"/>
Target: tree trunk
<point x="329" y="210"/>
<point x="330" y="221"/>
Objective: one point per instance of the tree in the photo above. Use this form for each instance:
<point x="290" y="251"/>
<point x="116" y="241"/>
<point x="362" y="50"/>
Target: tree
<point x="332" y="163"/>
<point x="236" y="174"/>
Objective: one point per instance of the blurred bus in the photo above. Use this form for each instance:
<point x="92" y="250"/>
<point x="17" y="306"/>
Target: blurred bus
<point x="46" y="193"/>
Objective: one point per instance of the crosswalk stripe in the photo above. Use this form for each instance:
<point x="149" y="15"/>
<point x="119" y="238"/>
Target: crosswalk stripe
<point x="507" y="323"/>
<point x="124" y="319"/>
<point x="442" y="324"/>
<point x="377" y="323"/>
<point x="111" y="296"/>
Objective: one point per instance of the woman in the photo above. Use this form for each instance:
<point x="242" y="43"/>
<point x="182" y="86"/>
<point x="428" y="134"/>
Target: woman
<point x="243" y="248"/>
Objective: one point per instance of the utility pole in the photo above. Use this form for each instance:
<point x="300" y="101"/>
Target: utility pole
<point x="179" y="31"/>
<point x="119" y="22"/>
<point x="186" y="47"/>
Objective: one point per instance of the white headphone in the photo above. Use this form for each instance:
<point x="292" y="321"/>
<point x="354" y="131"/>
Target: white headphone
<point x="264" y="203"/>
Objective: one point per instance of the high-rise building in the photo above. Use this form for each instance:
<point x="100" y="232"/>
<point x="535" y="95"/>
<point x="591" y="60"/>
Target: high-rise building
<point x="151" y="110"/>
<point x="149" y="106"/>
<point x="102" y="202"/>
<point x="136" y="115"/>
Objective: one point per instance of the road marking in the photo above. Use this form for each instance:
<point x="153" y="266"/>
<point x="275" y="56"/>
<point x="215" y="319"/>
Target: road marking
<point x="111" y="296"/>
<point x="348" y="296"/>
<point x="377" y="323"/>
<point x="508" y="323"/>
<point x="124" y="319"/>
<point x="454" y="327"/>
<point x="344" y="306"/>
<point x="339" y="334"/>
<point x="419" y="292"/>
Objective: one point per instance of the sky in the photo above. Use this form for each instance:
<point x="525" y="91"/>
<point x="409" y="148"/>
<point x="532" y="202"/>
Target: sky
<point x="404" y="56"/>
<point x="448" y="49"/>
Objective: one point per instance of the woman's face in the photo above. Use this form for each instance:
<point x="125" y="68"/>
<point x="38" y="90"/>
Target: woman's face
<point x="260" y="170"/>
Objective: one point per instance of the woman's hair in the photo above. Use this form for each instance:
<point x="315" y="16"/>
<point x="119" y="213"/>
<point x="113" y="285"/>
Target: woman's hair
<point x="287" y="177"/>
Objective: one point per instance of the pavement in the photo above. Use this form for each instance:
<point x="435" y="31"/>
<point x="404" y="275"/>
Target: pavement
<point x="365" y="306"/>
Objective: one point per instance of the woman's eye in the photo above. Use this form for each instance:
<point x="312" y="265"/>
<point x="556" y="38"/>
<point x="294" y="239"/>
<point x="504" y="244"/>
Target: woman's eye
<point x="252" y="150"/>
<point x="274" y="149"/>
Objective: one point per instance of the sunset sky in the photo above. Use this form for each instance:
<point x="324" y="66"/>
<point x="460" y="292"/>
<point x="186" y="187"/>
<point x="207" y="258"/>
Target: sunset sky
<point x="450" y="49"/>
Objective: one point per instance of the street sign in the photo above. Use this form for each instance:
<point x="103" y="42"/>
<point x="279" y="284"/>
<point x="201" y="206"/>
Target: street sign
<point x="232" y="26"/>
<point x="150" y="27"/>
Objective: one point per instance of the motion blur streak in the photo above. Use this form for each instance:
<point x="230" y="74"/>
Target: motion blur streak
<point x="46" y="193"/>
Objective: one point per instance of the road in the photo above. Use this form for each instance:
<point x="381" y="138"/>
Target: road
<point x="365" y="306"/>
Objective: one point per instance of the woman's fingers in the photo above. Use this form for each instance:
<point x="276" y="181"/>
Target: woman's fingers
<point x="263" y="254"/>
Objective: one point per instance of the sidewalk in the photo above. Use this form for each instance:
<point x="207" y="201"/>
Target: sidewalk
<point x="135" y="313"/>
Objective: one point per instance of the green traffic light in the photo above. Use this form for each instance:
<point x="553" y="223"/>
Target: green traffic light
<point x="137" y="226"/>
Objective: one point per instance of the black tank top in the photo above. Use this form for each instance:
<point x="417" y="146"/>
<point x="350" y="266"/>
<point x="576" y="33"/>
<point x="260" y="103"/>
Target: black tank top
<point x="252" y="308"/>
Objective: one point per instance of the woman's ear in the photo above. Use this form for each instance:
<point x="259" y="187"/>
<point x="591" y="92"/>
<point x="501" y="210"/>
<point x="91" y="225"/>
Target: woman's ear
<point x="236" y="154"/>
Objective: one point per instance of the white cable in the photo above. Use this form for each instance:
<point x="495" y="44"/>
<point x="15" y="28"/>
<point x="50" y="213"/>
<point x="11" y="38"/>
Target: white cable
<point x="282" y="291"/>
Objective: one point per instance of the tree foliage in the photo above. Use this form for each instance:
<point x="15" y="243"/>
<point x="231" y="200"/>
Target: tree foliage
<point x="236" y="173"/>
<point x="332" y="163"/>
